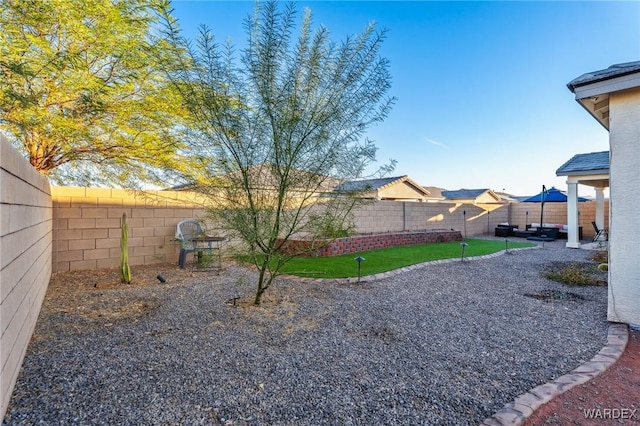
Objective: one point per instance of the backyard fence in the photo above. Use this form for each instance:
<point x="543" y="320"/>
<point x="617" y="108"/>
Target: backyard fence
<point x="26" y="246"/>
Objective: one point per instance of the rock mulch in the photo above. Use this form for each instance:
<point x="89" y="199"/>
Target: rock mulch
<point x="446" y="343"/>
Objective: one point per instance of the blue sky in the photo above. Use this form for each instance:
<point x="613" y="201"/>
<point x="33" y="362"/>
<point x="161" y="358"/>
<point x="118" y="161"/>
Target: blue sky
<point x="481" y="88"/>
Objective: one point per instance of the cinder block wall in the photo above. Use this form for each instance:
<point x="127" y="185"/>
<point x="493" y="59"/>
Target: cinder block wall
<point x="398" y="216"/>
<point x="557" y="213"/>
<point x="87" y="226"/>
<point x="26" y="223"/>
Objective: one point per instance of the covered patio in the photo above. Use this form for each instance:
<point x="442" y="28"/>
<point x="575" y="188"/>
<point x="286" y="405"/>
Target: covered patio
<point x="590" y="169"/>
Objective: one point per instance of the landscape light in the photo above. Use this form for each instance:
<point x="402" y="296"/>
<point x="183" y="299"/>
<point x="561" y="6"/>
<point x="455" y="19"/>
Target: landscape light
<point x="463" y="245"/>
<point x="359" y="259"/>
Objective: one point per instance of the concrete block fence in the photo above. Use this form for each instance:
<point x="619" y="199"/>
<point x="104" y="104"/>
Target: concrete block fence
<point x="26" y="224"/>
<point x="87" y="226"/>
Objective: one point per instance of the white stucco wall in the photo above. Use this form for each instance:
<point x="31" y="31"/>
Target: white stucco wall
<point x="624" y="225"/>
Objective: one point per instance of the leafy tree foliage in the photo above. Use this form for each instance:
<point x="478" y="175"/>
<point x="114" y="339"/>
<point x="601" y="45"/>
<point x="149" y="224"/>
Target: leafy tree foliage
<point x="82" y="92"/>
<point x="277" y="129"/>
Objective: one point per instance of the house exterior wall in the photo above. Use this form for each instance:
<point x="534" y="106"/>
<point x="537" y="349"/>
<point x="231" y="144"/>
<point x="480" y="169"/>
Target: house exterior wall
<point x="624" y="262"/>
<point x="25" y="245"/>
<point x="401" y="191"/>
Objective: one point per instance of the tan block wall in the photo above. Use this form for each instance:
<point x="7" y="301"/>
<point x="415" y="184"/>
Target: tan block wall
<point x="397" y="216"/>
<point x="87" y="226"/>
<point x="557" y="213"/>
<point x="26" y="224"/>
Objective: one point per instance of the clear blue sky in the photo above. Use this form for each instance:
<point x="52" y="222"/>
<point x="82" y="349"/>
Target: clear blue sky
<point x="481" y="86"/>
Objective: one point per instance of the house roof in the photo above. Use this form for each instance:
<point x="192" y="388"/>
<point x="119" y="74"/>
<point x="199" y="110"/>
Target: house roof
<point x="614" y="71"/>
<point x="592" y="89"/>
<point x="586" y="164"/>
<point x="378" y="184"/>
<point x="367" y="184"/>
<point x="464" y="194"/>
<point x="434" y="192"/>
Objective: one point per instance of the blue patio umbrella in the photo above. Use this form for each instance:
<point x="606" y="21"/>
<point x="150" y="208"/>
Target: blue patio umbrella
<point x="551" y="195"/>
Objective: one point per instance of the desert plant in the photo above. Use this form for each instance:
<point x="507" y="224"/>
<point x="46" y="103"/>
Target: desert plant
<point x="125" y="270"/>
<point x="278" y="128"/>
<point x="576" y="274"/>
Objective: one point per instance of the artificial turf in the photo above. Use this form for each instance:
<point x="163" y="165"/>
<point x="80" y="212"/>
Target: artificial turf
<point x="388" y="259"/>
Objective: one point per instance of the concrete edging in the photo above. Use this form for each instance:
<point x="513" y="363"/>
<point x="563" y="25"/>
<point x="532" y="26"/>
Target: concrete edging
<point x="516" y="412"/>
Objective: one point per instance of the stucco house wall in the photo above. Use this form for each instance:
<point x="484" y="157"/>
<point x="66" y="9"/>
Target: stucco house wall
<point x="25" y="245"/>
<point x="624" y="227"/>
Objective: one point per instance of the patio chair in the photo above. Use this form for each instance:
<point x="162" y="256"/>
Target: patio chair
<point x="600" y="233"/>
<point x="186" y="230"/>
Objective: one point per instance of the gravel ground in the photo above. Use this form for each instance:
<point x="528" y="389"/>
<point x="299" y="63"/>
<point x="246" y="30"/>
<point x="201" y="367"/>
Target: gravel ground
<point x="447" y="343"/>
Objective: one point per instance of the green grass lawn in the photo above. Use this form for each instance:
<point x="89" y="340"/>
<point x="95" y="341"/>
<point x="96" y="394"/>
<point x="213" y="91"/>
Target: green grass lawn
<point x="383" y="260"/>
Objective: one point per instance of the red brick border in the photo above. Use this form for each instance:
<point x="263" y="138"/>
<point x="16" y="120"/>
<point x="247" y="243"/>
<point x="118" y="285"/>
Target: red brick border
<point x="360" y="243"/>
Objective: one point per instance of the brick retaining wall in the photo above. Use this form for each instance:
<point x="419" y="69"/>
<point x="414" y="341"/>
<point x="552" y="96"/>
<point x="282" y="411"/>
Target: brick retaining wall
<point x="360" y="243"/>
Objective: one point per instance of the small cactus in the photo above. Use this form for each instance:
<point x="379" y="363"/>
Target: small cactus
<point x="125" y="270"/>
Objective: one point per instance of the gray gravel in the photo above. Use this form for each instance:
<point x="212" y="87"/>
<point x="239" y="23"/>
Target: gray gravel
<point x="443" y="344"/>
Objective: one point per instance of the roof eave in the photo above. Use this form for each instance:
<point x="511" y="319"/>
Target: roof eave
<point x="588" y="92"/>
<point x="582" y="172"/>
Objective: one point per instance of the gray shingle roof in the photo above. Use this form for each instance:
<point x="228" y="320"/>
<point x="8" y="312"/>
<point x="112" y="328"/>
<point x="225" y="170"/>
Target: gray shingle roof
<point x="367" y="184"/>
<point x="462" y="194"/>
<point x="613" y="71"/>
<point x="593" y="162"/>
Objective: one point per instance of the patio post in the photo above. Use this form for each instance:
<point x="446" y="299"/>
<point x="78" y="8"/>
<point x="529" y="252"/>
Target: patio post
<point x="573" y="235"/>
<point x="600" y="208"/>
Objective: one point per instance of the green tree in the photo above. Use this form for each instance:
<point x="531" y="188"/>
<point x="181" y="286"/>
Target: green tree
<point x="276" y="129"/>
<point x="82" y="90"/>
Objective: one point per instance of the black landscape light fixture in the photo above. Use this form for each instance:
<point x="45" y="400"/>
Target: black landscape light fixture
<point x="359" y="259"/>
<point x="526" y="220"/>
<point x="463" y="245"/>
<point x="464" y="223"/>
<point x="161" y="278"/>
<point x="488" y="223"/>
<point x="506" y="245"/>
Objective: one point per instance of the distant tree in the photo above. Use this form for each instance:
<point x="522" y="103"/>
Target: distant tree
<point x="82" y="92"/>
<point x="276" y="130"/>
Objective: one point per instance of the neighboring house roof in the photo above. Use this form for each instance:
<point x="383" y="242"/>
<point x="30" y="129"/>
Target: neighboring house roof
<point x="593" y="88"/>
<point x="506" y="197"/>
<point x="475" y="195"/>
<point x="391" y="188"/>
<point x="586" y="164"/>
<point x="263" y="178"/>
<point x="367" y="184"/>
<point x="435" y="193"/>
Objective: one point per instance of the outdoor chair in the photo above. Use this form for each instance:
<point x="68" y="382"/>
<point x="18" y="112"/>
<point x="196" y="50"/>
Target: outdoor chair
<point x="599" y="233"/>
<point x="186" y="231"/>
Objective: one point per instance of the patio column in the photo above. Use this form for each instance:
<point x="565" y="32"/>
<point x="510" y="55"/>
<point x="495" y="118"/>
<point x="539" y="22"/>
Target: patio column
<point x="572" y="215"/>
<point x="600" y="208"/>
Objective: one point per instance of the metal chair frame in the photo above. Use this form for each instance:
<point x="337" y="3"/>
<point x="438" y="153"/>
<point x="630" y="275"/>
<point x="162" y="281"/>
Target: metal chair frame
<point x="599" y="233"/>
<point x="187" y="230"/>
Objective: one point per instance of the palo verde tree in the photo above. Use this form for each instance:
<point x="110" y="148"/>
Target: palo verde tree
<point x="278" y="128"/>
<point x="82" y="91"/>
